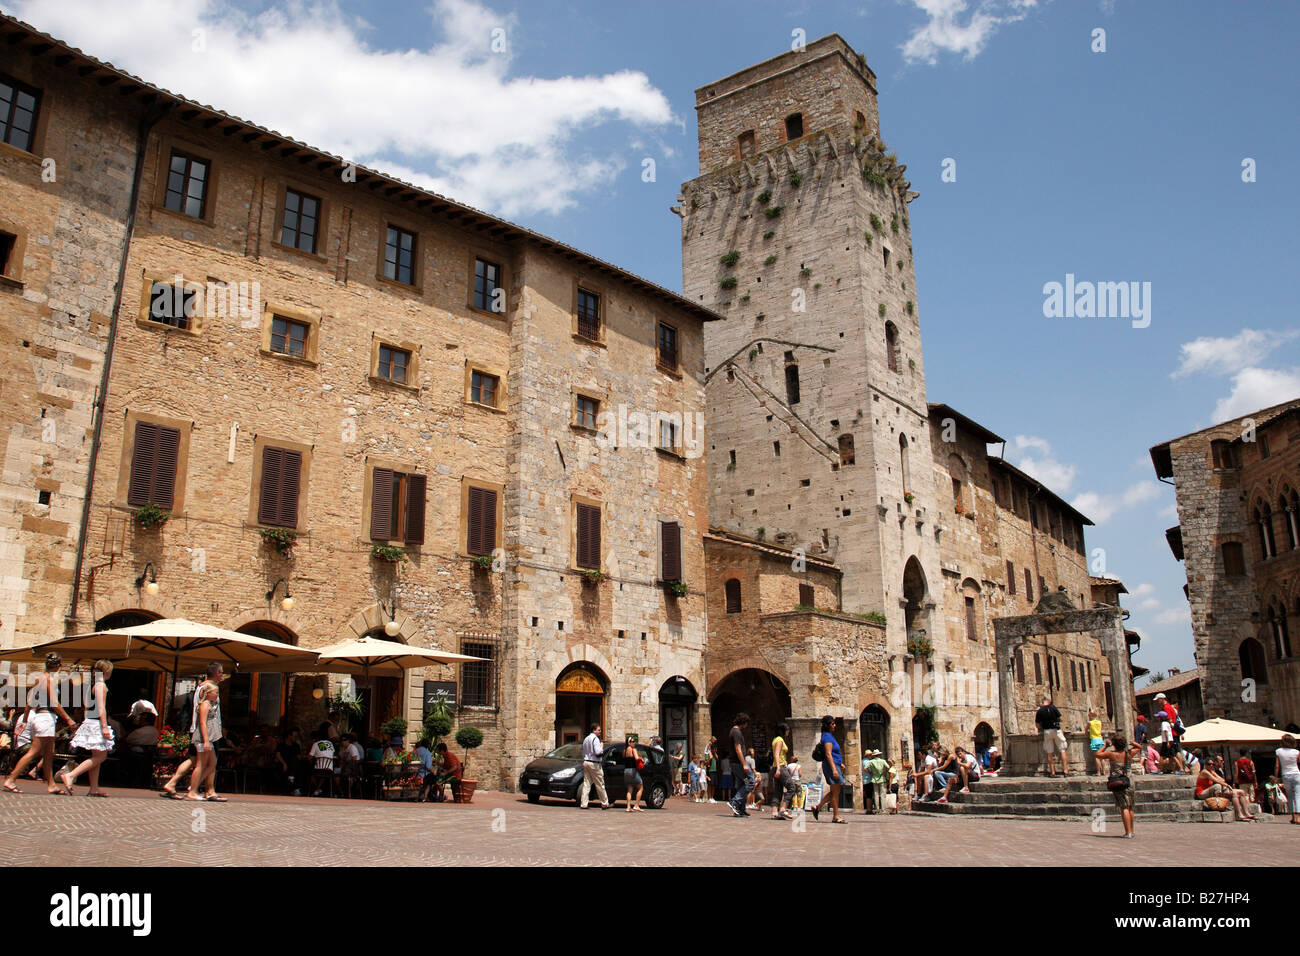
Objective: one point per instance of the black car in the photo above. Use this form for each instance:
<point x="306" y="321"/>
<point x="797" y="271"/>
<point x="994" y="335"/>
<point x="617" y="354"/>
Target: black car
<point x="558" y="775"/>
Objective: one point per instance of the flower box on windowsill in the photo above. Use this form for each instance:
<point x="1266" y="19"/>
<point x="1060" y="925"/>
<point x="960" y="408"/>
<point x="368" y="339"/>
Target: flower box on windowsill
<point x="592" y="576"/>
<point x="388" y="553"/>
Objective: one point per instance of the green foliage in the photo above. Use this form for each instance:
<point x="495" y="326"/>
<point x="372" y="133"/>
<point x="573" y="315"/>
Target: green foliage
<point x="873" y="177"/>
<point x="592" y="575"/>
<point x="730" y="259"/>
<point x="764" y="197"/>
<point x="677" y="588"/>
<point x="882" y="309"/>
<point x="868" y="240"/>
<point x="281" y="539"/>
<point x="805" y="272"/>
<point x="909" y="307"/>
<point x="744" y="299"/>
<point x="796" y="179"/>
<point x="893" y="225"/>
<point x="730" y="282"/>
<point x="437" y="723"/>
<point x="769" y="234"/>
<point x="770" y="260"/>
<point x="469" y="737"/>
<point x="804" y="607"/>
<point x="387" y="552"/>
<point x="876" y="224"/>
<point x="919" y="646"/>
<point x="151" y="516"/>
<point x="817" y="285"/>
<point x="771" y="212"/>
<point x="482" y="562"/>
<point x="874" y="617"/>
<point x="393" y="727"/>
<point x="761" y="534"/>
<point x="928" y="725"/>
<point x="908" y="497"/>
<point x="753" y="354"/>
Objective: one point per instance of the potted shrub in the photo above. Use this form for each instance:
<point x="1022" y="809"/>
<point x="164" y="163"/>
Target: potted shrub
<point x="482" y="562"/>
<point x="592" y="576"/>
<point x="677" y="588"/>
<point x="908" y="497"/>
<point x="919" y="646"/>
<point x="468" y="738"/>
<point x="149" y="517"/>
<point x="437" y="723"/>
<point x="282" y="540"/>
<point x="387" y="553"/>
<point x="393" y="727"/>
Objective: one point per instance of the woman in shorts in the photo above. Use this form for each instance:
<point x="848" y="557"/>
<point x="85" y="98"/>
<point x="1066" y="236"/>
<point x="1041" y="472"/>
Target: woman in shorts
<point x="1122" y="750"/>
<point x="632" y="777"/>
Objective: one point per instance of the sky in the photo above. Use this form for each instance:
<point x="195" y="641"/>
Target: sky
<point x="1162" y="150"/>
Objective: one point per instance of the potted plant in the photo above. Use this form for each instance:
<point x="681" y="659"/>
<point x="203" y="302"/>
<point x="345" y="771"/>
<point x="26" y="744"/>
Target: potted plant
<point x="908" y="497"/>
<point x="393" y="727"/>
<point x="482" y="562"/>
<point x="348" y="706"/>
<point x="677" y="588"/>
<point x="468" y="738"/>
<point x="919" y="646"/>
<point x="592" y="575"/>
<point x="388" y="553"/>
<point x="437" y="723"/>
<point x="149" y="517"/>
<point x="282" y="540"/>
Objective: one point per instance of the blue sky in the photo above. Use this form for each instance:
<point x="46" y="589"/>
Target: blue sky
<point x="1123" y="165"/>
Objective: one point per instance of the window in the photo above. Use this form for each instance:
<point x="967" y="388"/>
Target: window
<point x="483" y="388"/>
<point x="300" y="223"/>
<point x="956" y="491"/>
<point x="1020" y="665"/>
<point x="187" y="185"/>
<point x="153" y="466"/>
<point x="397" y="506"/>
<point x="281" y="479"/>
<point x="8" y="243"/>
<point x="18" y="108"/>
<point x="587" y="545"/>
<point x="1011" y="578"/>
<point x="173" y="305"/>
<point x="667" y="433"/>
<point x="670" y="551"/>
<point x="1225" y="454"/>
<point x="806" y="596"/>
<point x="1281" y="634"/>
<point x="585" y="411"/>
<point x="847" y="454"/>
<point x="289" y="337"/>
<point x="393" y="363"/>
<point x="480" y="520"/>
<point x="891" y="346"/>
<point x="1251" y="655"/>
<point x="792" y="384"/>
<point x="667" y="347"/>
<point x="477" y="683"/>
<point x="1038" y="669"/>
<point x="399" y="255"/>
<point x="1264" y="521"/>
<point x="1042" y="586"/>
<point x="971" y="631"/>
<point x="1263" y="446"/>
<point x="747" y="144"/>
<point x="1234" y="561"/>
<point x="488" y="294"/>
<point x="794" y="126"/>
<point x="1110" y="704"/>
<point x="589" y="315"/>
<point x="1029" y="587"/>
<point x="1074" y="677"/>
<point x="732" y="589"/>
<point x="1290" y="508"/>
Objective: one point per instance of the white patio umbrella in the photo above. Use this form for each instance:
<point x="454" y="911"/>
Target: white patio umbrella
<point x="373" y="657"/>
<point x="1220" y="730"/>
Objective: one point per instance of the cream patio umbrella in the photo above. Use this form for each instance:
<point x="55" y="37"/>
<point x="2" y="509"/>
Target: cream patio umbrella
<point x="1220" y="730"/>
<point x="373" y="657"/>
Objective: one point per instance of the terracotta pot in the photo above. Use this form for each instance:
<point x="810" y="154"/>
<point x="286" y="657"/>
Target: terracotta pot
<point x="467" y="788"/>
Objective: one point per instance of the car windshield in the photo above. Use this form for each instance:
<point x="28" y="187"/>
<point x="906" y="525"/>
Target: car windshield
<point x="567" y="752"/>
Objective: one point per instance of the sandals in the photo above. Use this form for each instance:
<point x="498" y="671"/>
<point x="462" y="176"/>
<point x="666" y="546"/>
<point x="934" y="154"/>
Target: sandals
<point x="215" y="799"/>
<point x="839" y="821"/>
<point x="10" y="788"/>
<point x="96" y="793"/>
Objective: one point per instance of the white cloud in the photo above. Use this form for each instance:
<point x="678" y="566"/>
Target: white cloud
<point x="450" y="116"/>
<point x="1175" y="616"/>
<point x="950" y="29"/>
<point x="1256" y="388"/>
<point x="1102" y="507"/>
<point x="1226" y="355"/>
<point x="1043" y="465"/>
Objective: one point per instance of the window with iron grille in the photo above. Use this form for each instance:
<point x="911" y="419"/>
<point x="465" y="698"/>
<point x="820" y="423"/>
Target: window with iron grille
<point x="478" y="678"/>
<point x="187" y="185"/>
<point x="393" y="364"/>
<point x="399" y="256"/>
<point x="19" y="104"/>
<point x="487" y="279"/>
<point x="172" y="305"/>
<point x="585" y="410"/>
<point x="667" y="346"/>
<point x="483" y="388"/>
<point x="288" y="337"/>
<point x="301" y="220"/>
<point x="588" y="314"/>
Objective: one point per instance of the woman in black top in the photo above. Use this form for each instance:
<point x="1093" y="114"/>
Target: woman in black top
<point x="632" y="777"/>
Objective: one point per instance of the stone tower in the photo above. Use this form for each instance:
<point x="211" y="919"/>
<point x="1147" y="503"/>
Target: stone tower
<point x="797" y="231"/>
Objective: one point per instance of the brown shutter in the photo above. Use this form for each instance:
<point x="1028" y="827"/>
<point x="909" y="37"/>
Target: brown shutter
<point x="142" y="463"/>
<point x="290" y="483"/>
<point x="588" y="536"/>
<point x="381" y="504"/>
<point x="733" y="596"/>
<point x="670" y="535"/>
<point x="164" y="468"/>
<point x="482" y="521"/>
<point x="268" y="505"/>
<point x="474" y="521"/>
<point x="415" y="490"/>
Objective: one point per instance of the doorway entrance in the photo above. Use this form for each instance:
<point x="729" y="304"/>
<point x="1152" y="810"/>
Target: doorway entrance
<point x="676" y="707"/>
<point x="579" y="702"/>
<point x="126" y="685"/>
<point x="873" y="729"/>
<point x="758" y="693"/>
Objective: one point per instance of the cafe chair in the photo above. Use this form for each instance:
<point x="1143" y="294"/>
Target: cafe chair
<point x="322" y="775"/>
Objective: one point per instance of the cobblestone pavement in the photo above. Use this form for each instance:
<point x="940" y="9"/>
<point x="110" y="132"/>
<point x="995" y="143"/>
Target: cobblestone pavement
<point x="135" y="828"/>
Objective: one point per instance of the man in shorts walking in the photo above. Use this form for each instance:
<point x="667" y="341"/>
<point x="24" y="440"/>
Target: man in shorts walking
<point x="1048" y="719"/>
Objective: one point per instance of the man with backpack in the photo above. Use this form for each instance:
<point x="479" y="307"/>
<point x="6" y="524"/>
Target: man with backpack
<point x="1048" y="719"/>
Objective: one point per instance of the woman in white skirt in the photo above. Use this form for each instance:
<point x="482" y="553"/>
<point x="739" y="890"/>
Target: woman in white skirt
<point x="94" y="734"/>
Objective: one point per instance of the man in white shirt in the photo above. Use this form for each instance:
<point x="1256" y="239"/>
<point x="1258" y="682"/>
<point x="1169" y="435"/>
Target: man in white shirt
<point x="593" y="770"/>
<point x="927" y="766"/>
<point x="322" y="758"/>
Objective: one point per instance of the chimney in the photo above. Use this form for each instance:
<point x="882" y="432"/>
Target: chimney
<point x="1173" y="671"/>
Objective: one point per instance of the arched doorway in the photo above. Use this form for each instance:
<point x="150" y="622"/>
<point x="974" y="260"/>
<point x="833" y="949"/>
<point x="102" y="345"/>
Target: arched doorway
<point x="253" y="700"/>
<point x="580" y="692"/>
<point x="381" y="697"/>
<point x="873" y="729"/>
<point x="983" y="740"/>
<point x="128" y="684"/>
<point x="758" y="693"/>
<point x="676" y="708"/>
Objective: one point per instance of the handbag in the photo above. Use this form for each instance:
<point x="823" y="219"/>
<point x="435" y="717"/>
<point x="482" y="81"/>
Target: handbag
<point x="640" y="764"/>
<point x="1216" y="803"/>
<point x="1118" y="779"/>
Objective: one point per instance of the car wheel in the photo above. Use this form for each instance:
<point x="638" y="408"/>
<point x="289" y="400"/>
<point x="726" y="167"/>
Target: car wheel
<point x="657" y="796"/>
<point x="534" y="798"/>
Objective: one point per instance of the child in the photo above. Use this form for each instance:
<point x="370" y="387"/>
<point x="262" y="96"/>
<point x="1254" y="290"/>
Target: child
<point x="1095" y="741"/>
<point x="789" y="783"/>
<point x="693" y="768"/>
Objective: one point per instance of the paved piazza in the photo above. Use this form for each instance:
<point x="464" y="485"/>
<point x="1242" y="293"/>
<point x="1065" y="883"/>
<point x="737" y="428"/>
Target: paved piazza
<point x="137" y="828"/>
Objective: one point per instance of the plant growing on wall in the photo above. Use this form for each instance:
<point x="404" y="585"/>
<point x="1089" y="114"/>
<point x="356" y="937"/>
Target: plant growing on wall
<point x="908" y="308"/>
<point x="771" y="212"/>
<point x="386" y="552"/>
<point x="753" y="354"/>
<point x="730" y="282"/>
<point x="805" y="272"/>
<point x="868" y="240"/>
<point x="281" y="539"/>
<point x="744" y="299"/>
<point x="592" y="576"/>
<point x="761" y="534"/>
<point x="875" y="617"/>
<point x="876" y="224"/>
<point x="770" y="260"/>
<point x="908" y="497"/>
<point x="764" y="197"/>
<point x="893" y="225"/>
<point x="151" y="516"/>
<point x="769" y="234"/>
<point x="795" y="178"/>
<point x="881" y="309"/>
<point x="730" y="259"/>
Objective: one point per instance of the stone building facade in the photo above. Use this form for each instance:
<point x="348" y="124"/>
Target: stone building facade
<point x="821" y="437"/>
<point x="345" y="389"/>
<point x="1238" y="534"/>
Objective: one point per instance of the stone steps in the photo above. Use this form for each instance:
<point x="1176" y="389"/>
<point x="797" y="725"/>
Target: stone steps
<point x="1158" y="798"/>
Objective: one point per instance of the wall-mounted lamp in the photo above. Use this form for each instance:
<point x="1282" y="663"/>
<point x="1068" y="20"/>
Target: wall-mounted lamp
<point x="151" y="588"/>
<point x="391" y="628"/>
<point x="287" y="603"/>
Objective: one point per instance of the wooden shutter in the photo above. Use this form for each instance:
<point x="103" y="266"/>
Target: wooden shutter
<point x="670" y="544"/>
<point x="381" y="504"/>
<point x="415" y="492"/>
<point x="164" y="472"/>
<point x="268" y="504"/>
<point x="142" y="463"/>
<point x="481" y="521"/>
<point x="588" y="536"/>
<point x="1011" y="578"/>
<point x="290" y="483"/>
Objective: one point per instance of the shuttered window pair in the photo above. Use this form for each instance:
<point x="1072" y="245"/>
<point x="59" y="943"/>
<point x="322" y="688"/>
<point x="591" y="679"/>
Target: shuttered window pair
<point x="397" y="506"/>
<point x="481" y="522"/>
<point x="153" y="466"/>
<point x="670" y="550"/>
<point x="279" y="490"/>
<point x="588" y="517"/>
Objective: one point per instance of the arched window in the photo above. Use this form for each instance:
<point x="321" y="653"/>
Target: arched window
<point x="847" y="455"/>
<point x="1290" y="508"/>
<point x="902" y="460"/>
<point x="1264" y="521"/>
<point x="1251" y="655"/>
<point x="733" y="596"/>
<point x="859" y="121"/>
<point x="891" y="346"/>
<point x="1278" y="626"/>
<point x="794" y="126"/>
